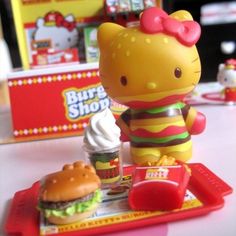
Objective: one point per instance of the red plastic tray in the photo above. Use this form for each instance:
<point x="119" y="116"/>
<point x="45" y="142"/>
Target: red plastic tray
<point x="23" y="218"/>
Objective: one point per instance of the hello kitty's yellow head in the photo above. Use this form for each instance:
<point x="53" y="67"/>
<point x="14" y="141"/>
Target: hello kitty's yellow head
<point x="153" y="64"/>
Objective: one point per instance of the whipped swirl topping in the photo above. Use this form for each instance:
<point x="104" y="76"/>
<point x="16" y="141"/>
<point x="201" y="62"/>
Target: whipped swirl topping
<point x="102" y="133"/>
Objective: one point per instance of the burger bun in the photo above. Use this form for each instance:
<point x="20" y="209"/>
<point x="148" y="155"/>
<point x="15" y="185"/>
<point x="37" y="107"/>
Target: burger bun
<point x="74" y="218"/>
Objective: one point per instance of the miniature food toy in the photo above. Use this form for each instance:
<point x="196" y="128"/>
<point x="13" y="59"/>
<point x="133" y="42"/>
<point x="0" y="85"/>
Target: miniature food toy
<point x="102" y="133"/>
<point x="70" y="195"/>
<point x="227" y="77"/>
<point x="163" y="161"/>
<point x="158" y="187"/>
<point x="150" y="68"/>
<point x="102" y="143"/>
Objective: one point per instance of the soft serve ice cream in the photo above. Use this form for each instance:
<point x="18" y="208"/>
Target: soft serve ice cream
<point x="102" y="133"/>
<point x="102" y="143"/>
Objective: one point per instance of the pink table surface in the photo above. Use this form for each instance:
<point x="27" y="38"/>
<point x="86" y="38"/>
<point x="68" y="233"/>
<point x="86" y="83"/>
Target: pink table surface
<point x="22" y="164"/>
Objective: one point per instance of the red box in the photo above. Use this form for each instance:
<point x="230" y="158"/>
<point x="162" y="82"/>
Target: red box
<point x="158" y="188"/>
<point x="56" y="101"/>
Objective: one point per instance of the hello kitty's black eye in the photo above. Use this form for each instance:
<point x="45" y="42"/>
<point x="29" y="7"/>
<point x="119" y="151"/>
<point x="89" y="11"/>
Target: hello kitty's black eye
<point x="123" y="80"/>
<point x="69" y="39"/>
<point x="225" y="79"/>
<point x="178" y="72"/>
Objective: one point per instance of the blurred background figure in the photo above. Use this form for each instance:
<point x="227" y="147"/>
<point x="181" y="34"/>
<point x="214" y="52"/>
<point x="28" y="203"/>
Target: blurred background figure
<point x="5" y="67"/>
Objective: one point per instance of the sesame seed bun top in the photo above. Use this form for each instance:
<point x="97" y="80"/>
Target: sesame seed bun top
<point x="73" y="181"/>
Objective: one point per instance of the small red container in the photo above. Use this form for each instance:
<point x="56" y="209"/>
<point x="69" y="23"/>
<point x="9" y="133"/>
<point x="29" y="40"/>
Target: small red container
<point x="158" y="188"/>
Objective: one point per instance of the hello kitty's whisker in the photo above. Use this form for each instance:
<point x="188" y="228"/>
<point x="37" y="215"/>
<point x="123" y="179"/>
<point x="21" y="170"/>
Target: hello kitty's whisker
<point x="195" y="59"/>
<point x="197" y="71"/>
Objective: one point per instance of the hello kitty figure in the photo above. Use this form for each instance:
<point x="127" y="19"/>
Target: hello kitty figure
<point x="227" y="77"/>
<point x="150" y="68"/>
<point x="57" y="31"/>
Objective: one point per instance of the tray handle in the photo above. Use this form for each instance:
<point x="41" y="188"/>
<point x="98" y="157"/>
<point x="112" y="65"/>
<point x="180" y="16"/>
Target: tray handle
<point x="209" y="181"/>
<point x="23" y="216"/>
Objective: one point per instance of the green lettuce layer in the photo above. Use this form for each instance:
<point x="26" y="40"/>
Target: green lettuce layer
<point x="75" y="208"/>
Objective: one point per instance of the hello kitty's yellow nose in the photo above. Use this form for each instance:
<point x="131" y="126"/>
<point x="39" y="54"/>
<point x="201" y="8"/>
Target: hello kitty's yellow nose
<point x="151" y="85"/>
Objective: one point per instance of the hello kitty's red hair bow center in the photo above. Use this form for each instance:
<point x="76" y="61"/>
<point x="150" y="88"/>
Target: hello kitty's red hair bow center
<point x="155" y="20"/>
<point x="62" y="22"/>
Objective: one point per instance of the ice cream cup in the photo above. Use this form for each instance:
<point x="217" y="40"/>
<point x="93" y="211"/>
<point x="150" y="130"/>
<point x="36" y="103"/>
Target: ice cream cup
<point x="108" y="165"/>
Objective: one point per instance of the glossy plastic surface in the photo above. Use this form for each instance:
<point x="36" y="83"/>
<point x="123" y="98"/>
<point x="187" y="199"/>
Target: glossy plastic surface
<point x="23" y="218"/>
<point x="158" y="188"/>
<point x="150" y="68"/>
<point x="227" y="77"/>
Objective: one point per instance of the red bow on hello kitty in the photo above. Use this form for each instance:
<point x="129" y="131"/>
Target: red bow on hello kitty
<point x="231" y="62"/>
<point x="56" y="18"/>
<point x="61" y="22"/>
<point x="155" y="20"/>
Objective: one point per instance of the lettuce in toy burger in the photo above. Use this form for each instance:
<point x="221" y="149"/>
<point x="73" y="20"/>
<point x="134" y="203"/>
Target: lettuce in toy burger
<point x="70" y="195"/>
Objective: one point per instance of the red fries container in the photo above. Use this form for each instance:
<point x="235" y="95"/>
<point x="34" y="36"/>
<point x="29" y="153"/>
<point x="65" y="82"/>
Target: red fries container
<point x="158" y="187"/>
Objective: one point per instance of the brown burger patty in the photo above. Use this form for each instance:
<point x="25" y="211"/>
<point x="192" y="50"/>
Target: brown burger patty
<point x="64" y="204"/>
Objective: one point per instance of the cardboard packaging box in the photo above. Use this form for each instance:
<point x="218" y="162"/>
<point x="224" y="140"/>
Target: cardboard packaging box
<point x="56" y="102"/>
<point x="91" y="46"/>
<point x="49" y="32"/>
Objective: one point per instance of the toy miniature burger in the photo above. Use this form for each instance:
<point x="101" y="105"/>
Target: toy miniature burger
<point x="70" y="195"/>
<point x="102" y="144"/>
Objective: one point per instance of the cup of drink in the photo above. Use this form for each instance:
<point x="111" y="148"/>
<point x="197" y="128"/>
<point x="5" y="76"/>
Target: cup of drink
<point x="103" y="147"/>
